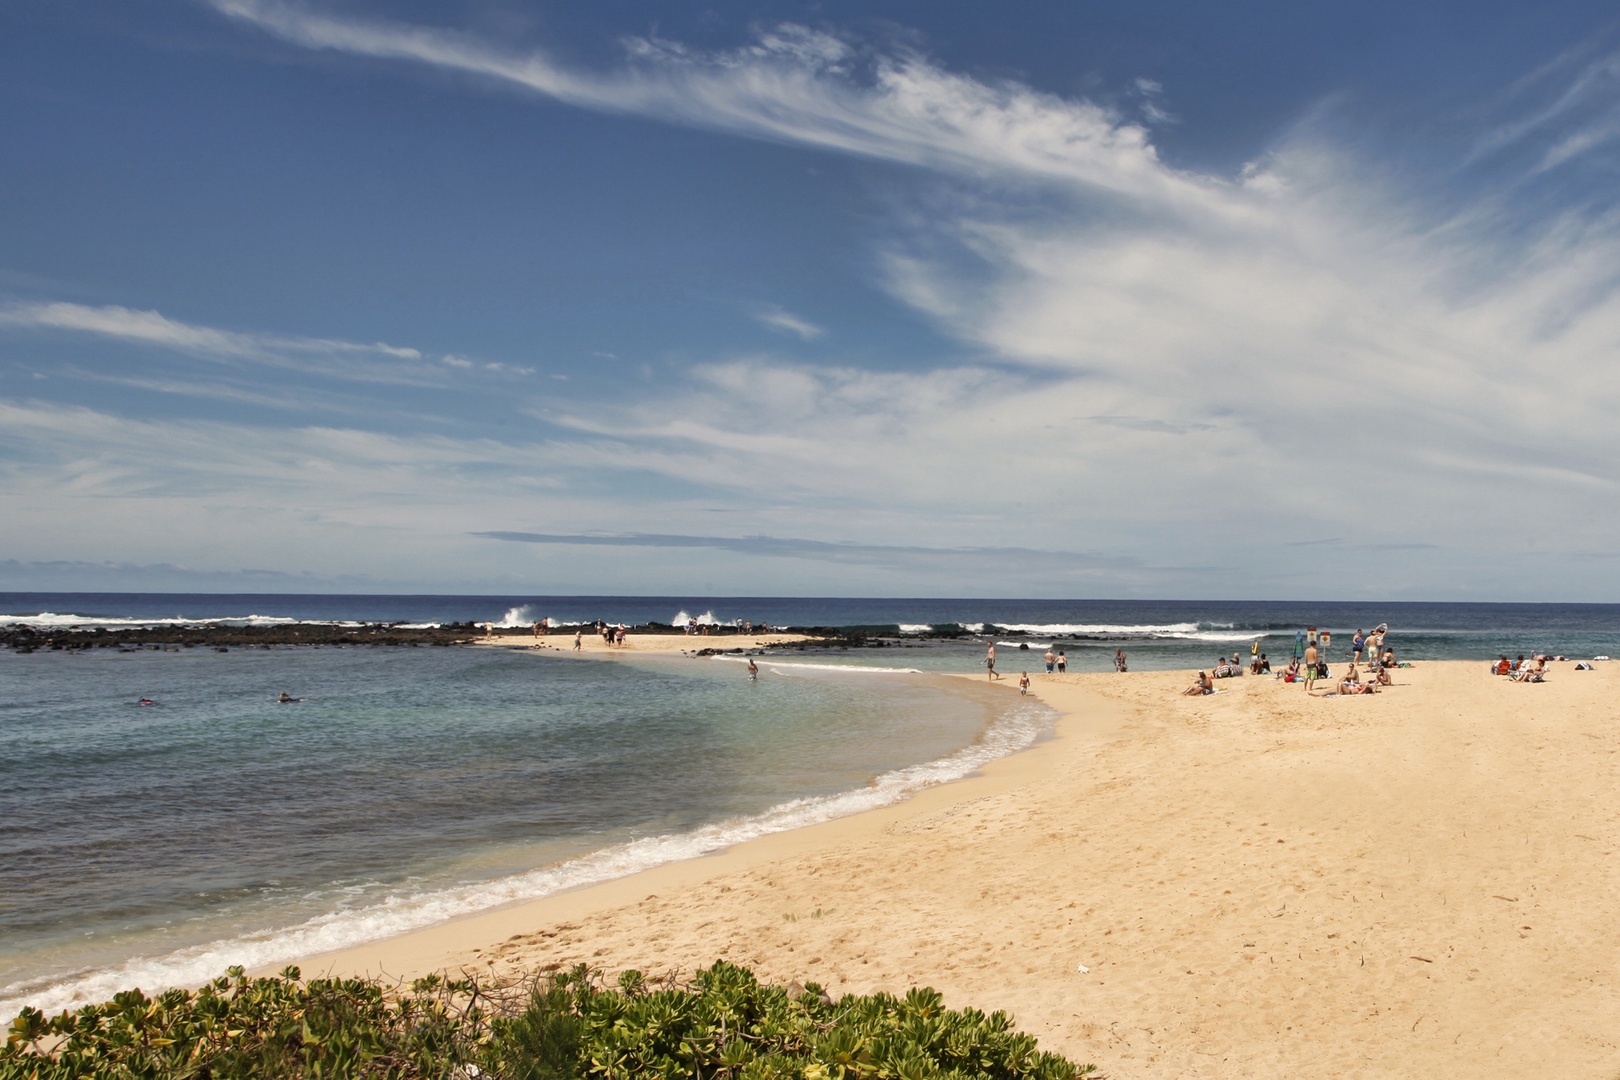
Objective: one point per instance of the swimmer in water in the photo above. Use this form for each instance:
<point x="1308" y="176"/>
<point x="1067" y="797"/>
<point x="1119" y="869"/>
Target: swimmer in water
<point x="753" y="669"/>
<point x="285" y="698"/>
<point x="146" y="701"/>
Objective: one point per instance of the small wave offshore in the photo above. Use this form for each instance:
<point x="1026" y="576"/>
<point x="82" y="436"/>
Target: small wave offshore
<point x="683" y="618"/>
<point x="55" y="620"/>
<point x="1014" y="729"/>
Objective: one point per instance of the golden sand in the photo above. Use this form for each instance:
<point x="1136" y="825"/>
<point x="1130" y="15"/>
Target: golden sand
<point x="1421" y="883"/>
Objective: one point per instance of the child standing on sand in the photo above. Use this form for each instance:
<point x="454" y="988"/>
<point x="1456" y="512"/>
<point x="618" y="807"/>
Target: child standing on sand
<point x="1023" y="684"/>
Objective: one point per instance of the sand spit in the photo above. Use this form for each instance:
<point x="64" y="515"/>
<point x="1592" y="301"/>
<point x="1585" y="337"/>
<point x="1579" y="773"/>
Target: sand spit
<point x="1250" y="884"/>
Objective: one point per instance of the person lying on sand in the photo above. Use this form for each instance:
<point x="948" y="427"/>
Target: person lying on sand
<point x="1346" y="688"/>
<point x="1204" y="685"/>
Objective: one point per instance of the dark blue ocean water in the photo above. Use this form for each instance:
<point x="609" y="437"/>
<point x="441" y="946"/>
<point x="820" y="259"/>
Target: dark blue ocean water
<point x="1155" y="633"/>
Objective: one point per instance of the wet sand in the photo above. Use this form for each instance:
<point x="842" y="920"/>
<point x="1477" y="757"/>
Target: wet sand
<point x="1258" y="884"/>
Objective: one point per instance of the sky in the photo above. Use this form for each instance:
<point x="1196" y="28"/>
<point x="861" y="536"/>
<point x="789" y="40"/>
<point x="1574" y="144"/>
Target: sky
<point x="1059" y="299"/>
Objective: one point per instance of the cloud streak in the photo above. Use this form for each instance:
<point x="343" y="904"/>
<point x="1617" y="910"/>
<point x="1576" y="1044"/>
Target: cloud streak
<point x="789" y="323"/>
<point x="357" y="361"/>
<point x="818" y="550"/>
<point x="795" y="85"/>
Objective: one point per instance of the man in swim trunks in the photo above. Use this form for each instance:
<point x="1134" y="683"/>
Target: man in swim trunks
<point x="990" y="662"/>
<point x="1051" y="661"/>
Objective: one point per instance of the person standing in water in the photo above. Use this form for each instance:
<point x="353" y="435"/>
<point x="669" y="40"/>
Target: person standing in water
<point x="1119" y="660"/>
<point x="753" y="670"/>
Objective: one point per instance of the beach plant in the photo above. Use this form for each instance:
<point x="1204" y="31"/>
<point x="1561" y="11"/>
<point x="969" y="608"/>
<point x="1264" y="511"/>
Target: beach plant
<point x="723" y="1024"/>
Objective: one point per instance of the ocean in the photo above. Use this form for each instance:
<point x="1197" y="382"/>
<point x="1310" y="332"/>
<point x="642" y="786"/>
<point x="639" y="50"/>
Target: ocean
<point x="156" y="845"/>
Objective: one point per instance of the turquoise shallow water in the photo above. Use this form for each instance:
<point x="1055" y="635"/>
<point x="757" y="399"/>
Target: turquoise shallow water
<point x="157" y="844"/>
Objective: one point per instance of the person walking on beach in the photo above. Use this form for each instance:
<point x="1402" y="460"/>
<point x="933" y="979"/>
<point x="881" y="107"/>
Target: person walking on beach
<point x="577" y="644"/>
<point x="1310" y="665"/>
<point x="990" y="662"/>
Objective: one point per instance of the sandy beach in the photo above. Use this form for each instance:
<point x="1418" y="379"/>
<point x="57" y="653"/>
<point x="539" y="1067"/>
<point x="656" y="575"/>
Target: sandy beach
<point x="1250" y="884"/>
<point x="646" y="644"/>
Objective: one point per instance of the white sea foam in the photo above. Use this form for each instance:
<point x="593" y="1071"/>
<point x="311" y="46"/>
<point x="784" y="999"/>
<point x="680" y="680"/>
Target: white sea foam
<point x="1013" y="730"/>
<point x="804" y="666"/>
<point x="705" y="619"/>
<point x="53" y="620"/>
<point x="518" y="616"/>
<point x="916" y="628"/>
<point x="1185" y="631"/>
<point x="972" y="627"/>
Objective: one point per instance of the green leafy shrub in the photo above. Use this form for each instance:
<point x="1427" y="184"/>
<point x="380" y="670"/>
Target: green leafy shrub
<point x="724" y="1025"/>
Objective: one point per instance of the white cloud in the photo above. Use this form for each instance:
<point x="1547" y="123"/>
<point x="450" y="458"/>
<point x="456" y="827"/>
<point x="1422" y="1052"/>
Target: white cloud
<point x="376" y="362"/>
<point x="1190" y="368"/>
<point x="795" y="85"/>
<point x="792" y="324"/>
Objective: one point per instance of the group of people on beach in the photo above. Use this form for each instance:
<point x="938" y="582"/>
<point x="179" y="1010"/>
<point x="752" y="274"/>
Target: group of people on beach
<point x="1309" y="664"/>
<point x="1522" y="670"/>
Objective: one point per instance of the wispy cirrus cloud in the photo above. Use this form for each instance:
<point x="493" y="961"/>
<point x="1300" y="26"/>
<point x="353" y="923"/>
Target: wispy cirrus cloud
<point x="797" y="85"/>
<point x="1159" y="361"/>
<point x="359" y="361"/>
<point x="820" y="550"/>
<point x="787" y="322"/>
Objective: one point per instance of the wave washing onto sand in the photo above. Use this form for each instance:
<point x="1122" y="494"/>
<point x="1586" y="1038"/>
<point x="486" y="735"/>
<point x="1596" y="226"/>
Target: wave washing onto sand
<point x="1012" y="731"/>
<point x="776" y="665"/>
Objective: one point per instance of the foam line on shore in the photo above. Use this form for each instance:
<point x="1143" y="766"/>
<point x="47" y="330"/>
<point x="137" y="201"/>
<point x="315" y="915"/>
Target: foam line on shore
<point x="806" y="666"/>
<point x="1014" y="728"/>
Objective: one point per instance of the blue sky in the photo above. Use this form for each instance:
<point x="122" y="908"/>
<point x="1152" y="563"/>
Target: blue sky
<point x="1051" y="299"/>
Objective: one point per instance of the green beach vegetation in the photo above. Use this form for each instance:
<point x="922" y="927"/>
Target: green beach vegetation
<point x="722" y="1025"/>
